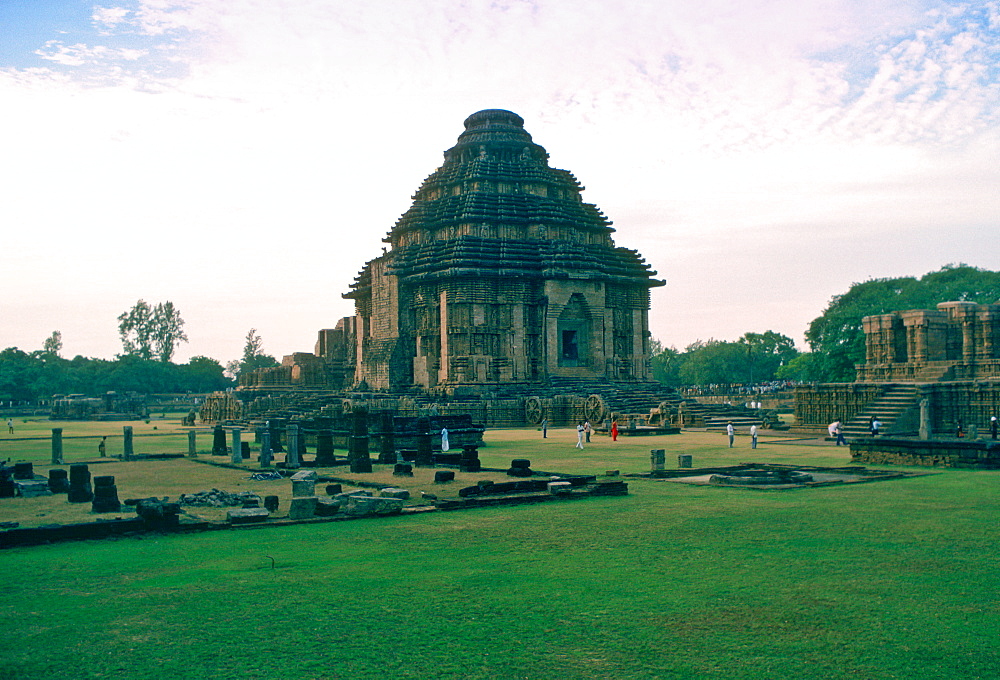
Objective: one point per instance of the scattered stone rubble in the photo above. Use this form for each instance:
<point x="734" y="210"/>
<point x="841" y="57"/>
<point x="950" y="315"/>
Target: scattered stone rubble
<point x="219" y="499"/>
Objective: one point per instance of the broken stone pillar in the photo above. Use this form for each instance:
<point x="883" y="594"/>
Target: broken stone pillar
<point x="57" y="448"/>
<point x="236" y="452"/>
<point x="324" y="448"/>
<point x="470" y="459"/>
<point x="425" y="450"/>
<point x="292" y="457"/>
<point x="127" y="451"/>
<point x="105" y="495"/>
<point x="358" y="454"/>
<point x="58" y="481"/>
<point x="657" y="459"/>
<point x="79" y="484"/>
<point x="218" y="441"/>
<point x="684" y="460"/>
<point x="304" y="484"/>
<point x="387" y="442"/>
<point x="192" y="444"/>
<point x="265" y="447"/>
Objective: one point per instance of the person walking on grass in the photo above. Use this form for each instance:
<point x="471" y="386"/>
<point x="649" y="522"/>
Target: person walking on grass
<point x="753" y="436"/>
<point x="587" y="430"/>
<point x="731" y="432"/>
<point x="10" y="426"/>
<point x="579" y="435"/>
<point x="545" y="428"/>
<point x="614" y="430"/>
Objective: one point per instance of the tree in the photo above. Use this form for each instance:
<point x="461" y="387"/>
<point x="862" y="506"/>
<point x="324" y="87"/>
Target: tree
<point x="665" y="362"/>
<point x="836" y="336"/>
<point x="202" y="374"/>
<point x="167" y="330"/>
<point x="253" y="357"/>
<point x="151" y="331"/>
<point x="766" y="353"/>
<point x="53" y="344"/>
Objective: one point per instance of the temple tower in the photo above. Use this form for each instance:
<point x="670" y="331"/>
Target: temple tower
<point x="500" y="273"/>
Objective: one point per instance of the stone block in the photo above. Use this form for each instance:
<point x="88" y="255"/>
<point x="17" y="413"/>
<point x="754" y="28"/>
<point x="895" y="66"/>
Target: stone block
<point x="327" y="507"/>
<point x="58" y="480"/>
<point x="443" y="476"/>
<point x="305" y="476"/>
<point x="302" y="508"/>
<point x="368" y="505"/>
<point x="302" y="488"/>
<point x="402" y="470"/>
<point x="271" y="503"/>
<point x="684" y="460"/>
<point x="247" y="515"/>
<point x="612" y="473"/>
<point x="393" y="492"/>
<point x="559" y="488"/>
<point x="31" y="488"/>
<point x="347" y="494"/>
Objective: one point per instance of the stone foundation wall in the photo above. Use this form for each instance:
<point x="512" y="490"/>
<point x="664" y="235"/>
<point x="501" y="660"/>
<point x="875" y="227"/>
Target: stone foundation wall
<point x="956" y="453"/>
<point x="819" y="405"/>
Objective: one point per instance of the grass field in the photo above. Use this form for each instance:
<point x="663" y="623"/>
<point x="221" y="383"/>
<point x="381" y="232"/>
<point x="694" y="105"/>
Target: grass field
<point x="891" y="579"/>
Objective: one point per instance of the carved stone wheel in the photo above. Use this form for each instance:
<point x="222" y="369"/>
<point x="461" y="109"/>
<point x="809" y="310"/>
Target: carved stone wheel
<point x="533" y="410"/>
<point x="347" y="406"/>
<point x="594" y="408"/>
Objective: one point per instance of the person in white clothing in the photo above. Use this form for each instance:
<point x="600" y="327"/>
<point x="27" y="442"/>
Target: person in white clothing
<point x="731" y="432"/>
<point x="753" y="436"/>
<point x="579" y="435"/>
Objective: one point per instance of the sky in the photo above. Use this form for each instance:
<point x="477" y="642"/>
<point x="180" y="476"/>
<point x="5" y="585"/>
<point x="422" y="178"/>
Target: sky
<point x="244" y="158"/>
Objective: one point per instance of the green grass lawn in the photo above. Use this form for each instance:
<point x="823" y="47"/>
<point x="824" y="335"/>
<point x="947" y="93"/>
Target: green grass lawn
<point x="893" y="579"/>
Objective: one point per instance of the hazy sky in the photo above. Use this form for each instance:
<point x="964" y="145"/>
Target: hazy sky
<point x="244" y="158"/>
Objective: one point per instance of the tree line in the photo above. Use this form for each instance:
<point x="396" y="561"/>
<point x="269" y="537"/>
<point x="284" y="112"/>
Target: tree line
<point x="836" y="338"/>
<point x="150" y="335"/>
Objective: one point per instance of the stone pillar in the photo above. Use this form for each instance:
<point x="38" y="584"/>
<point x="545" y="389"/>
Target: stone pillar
<point x="657" y="459"/>
<point x="425" y="445"/>
<point x="128" y="452"/>
<point x="292" y="456"/>
<point x="387" y="442"/>
<point x="265" y="447"/>
<point x="324" y="448"/>
<point x="192" y="444"/>
<point x="358" y="454"/>
<point x="236" y="453"/>
<point x="218" y="441"/>
<point x="79" y="484"/>
<point x="925" y="419"/>
<point x="57" y="449"/>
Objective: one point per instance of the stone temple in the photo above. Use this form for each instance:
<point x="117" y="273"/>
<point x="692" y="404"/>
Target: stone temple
<point x="946" y="359"/>
<point x="499" y="281"/>
<point x="500" y="273"/>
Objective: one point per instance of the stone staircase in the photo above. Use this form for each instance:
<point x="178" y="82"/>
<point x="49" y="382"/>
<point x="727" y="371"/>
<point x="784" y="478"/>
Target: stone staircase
<point x="897" y="409"/>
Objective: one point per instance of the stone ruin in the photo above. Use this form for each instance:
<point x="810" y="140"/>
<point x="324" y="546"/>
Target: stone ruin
<point x="500" y="294"/>
<point x="928" y="374"/>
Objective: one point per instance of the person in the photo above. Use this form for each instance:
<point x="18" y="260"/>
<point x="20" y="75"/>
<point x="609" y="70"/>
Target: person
<point x="835" y="432"/>
<point x="102" y="447"/>
<point x="731" y="432"/>
<point x="753" y="436"/>
<point x="545" y="428"/>
<point x="958" y="432"/>
<point x="614" y="430"/>
<point x="587" y="429"/>
<point x="874" y="426"/>
<point x="579" y="435"/>
<point x="10" y="426"/>
<point x="993" y="427"/>
<point x="444" y="440"/>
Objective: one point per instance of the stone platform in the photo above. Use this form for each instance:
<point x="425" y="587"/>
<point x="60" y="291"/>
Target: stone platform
<point x="977" y="454"/>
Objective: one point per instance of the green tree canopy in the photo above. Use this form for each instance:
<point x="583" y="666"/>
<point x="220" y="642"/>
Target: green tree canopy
<point x="151" y="332"/>
<point x="837" y="338"/>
